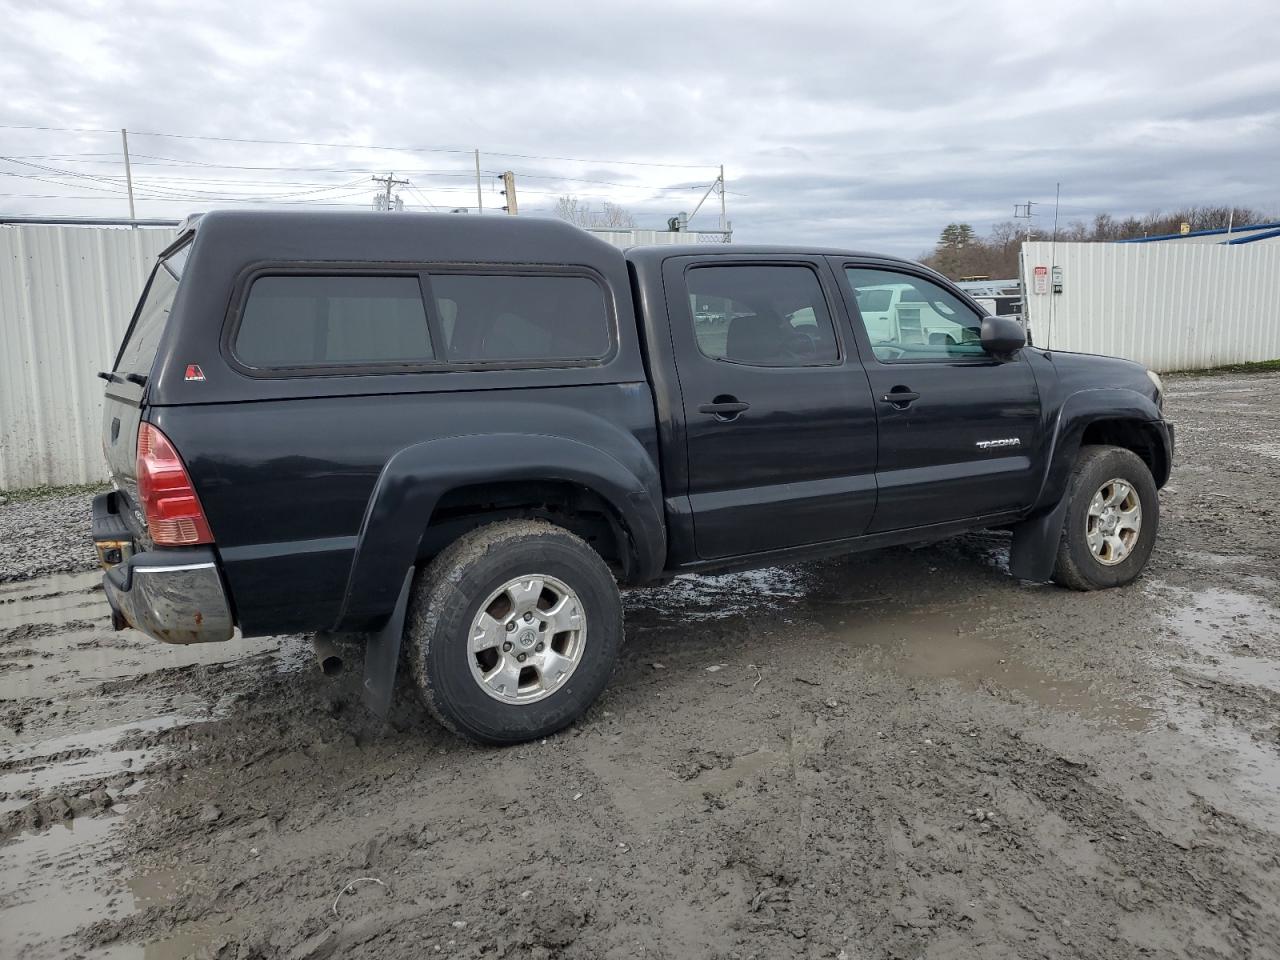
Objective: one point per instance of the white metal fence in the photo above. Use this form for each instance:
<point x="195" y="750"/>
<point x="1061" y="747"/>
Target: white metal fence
<point x="66" y="295"/>
<point x="1170" y="306"/>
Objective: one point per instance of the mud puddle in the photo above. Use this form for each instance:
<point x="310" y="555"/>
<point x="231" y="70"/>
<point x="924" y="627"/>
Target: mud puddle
<point x="1236" y="635"/>
<point x="53" y="883"/>
<point x="968" y="649"/>
<point x="1225" y="696"/>
<point x="75" y="693"/>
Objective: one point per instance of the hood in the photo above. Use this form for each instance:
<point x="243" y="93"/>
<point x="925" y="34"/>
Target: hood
<point x="1091" y="371"/>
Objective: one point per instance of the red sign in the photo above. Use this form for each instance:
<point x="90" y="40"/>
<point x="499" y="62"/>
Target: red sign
<point x="1041" y="279"/>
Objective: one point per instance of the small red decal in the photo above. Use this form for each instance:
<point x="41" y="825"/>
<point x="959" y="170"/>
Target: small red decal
<point x="194" y="372"/>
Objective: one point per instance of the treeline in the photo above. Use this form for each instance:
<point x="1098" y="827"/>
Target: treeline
<point x="961" y="253"/>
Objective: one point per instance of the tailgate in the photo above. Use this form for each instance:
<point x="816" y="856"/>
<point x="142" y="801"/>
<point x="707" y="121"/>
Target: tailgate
<point x="121" y="413"/>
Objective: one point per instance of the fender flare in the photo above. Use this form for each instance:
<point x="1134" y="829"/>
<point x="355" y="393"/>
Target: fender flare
<point x="1075" y="415"/>
<point x="1035" y="540"/>
<point x="415" y="478"/>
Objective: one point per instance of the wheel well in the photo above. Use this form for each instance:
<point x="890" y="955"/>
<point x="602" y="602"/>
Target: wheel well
<point x="576" y="508"/>
<point x="1132" y="435"/>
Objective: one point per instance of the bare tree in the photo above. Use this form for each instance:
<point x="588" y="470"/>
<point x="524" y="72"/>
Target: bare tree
<point x="584" y="215"/>
<point x="573" y="210"/>
<point x="612" y="215"/>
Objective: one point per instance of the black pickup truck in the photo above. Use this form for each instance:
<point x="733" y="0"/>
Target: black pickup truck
<point x="467" y="432"/>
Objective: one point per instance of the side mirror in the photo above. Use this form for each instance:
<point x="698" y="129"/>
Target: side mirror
<point x="1002" y="335"/>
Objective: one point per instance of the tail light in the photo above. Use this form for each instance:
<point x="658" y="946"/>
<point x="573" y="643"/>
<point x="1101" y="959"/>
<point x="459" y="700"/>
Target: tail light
<point x="174" y="515"/>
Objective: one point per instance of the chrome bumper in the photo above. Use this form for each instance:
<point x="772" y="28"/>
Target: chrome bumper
<point x="175" y="596"/>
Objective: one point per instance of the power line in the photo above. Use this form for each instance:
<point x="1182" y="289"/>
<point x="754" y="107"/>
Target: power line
<point x="182" y="188"/>
<point x="157" y="191"/>
<point x="116" y="199"/>
<point x="357" y="146"/>
<point x="153" y="160"/>
<point x="425" y="171"/>
<point x="414" y="190"/>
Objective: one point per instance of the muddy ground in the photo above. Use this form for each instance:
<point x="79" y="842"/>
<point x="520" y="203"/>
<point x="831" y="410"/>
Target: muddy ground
<point x="904" y="754"/>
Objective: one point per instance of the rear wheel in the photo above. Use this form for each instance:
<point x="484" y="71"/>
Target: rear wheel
<point x="513" y="631"/>
<point x="1112" y="518"/>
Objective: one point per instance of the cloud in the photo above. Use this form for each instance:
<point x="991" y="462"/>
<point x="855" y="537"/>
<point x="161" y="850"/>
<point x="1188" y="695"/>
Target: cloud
<point x="854" y="125"/>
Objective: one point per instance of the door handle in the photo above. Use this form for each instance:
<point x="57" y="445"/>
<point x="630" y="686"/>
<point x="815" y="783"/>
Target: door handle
<point x="900" y="397"/>
<point x="724" y="408"/>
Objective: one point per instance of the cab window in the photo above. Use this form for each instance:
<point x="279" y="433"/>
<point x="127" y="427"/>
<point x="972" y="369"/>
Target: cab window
<point x="910" y="318"/>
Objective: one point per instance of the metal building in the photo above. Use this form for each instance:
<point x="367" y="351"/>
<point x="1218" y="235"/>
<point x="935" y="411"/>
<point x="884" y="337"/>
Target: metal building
<point x="1171" y="306"/>
<point x="1233" y="236"/>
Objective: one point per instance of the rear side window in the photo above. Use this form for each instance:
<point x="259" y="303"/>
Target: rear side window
<point x="318" y="321"/>
<point x="764" y="316"/>
<point x="138" y="352"/>
<point x="492" y="318"/>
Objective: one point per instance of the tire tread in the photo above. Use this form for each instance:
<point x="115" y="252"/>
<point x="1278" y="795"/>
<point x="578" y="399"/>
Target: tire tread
<point x="1068" y="571"/>
<point x="437" y="587"/>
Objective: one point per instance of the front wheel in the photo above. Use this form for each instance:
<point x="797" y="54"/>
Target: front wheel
<point x="1113" y="514"/>
<point x="513" y="631"/>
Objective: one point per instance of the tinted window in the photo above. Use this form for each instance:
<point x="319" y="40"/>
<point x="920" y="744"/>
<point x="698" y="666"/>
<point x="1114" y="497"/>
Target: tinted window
<point x="177" y="261"/>
<point x="299" y="321"/>
<point x="909" y="318"/>
<point x="486" y="317"/>
<point x="139" y="350"/>
<point x="766" y="316"/>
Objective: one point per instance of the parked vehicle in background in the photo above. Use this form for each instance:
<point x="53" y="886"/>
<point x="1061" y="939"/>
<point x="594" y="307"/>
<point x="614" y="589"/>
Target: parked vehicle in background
<point x="467" y="433"/>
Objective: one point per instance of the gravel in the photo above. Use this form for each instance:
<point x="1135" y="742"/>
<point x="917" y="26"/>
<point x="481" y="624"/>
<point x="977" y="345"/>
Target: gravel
<point x="45" y="534"/>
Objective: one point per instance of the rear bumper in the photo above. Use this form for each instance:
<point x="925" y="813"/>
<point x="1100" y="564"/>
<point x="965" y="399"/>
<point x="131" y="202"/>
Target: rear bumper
<point x="175" y="596"/>
<point x="172" y="595"/>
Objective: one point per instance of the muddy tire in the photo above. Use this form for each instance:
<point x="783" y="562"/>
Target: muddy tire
<point x="513" y="631"/>
<point x="1113" y="515"/>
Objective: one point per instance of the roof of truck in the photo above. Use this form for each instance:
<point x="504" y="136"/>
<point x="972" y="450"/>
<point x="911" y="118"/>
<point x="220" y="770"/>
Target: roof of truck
<point x="415" y="237"/>
<point x="661" y="251"/>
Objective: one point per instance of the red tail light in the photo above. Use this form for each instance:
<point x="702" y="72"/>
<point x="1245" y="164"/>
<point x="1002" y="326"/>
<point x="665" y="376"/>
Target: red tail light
<point x="174" y="515"/>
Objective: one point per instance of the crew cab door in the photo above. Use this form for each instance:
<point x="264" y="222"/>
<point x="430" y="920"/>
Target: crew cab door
<point x="958" y="428"/>
<point x="779" y="421"/>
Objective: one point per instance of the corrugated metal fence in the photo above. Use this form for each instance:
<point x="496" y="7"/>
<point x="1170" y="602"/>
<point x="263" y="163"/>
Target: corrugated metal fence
<point x="1170" y="306"/>
<point x="66" y="295"/>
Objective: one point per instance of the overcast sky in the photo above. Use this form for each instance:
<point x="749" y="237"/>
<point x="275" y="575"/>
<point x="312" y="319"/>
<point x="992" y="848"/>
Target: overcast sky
<point x="857" y="124"/>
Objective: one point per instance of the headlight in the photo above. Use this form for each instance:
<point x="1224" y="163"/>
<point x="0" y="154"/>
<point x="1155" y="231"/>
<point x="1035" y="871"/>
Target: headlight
<point x="1158" y="384"/>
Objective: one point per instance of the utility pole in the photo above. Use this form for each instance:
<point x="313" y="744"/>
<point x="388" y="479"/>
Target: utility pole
<point x="724" y="220"/>
<point x="716" y="185"/>
<point x="509" y="191"/>
<point x="479" y="192"/>
<point x="390" y="181"/>
<point x="128" y="171"/>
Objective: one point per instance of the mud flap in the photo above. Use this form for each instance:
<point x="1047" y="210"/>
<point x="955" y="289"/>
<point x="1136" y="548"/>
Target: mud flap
<point x="1035" y="544"/>
<point x="382" y="654"/>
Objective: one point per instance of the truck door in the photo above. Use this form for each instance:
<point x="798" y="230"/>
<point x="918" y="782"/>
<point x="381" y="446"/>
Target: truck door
<point x="779" y="420"/>
<point x="959" y="429"/>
